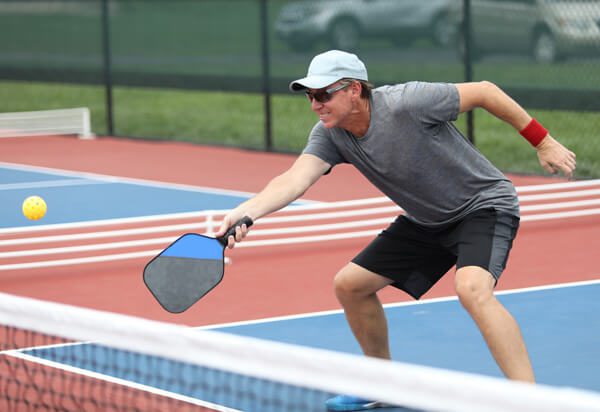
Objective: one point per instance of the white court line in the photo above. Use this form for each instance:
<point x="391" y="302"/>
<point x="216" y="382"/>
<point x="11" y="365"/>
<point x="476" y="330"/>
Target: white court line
<point x="77" y="261"/>
<point x="86" y="248"/>
<point x="43" y="347"/>
<point x="560" y="215"/>
<point x="108" y="233"/>
<point x="188" y="227"/>
<point x="563" y="205"/>
<point x="396" y="305"/>
<point x="85" y="260"/>
<point x="108" y="222"/>
<point x="118" y="179"/>
<point x="560" y="195"/>
<point x="552" y="186"/>
<point x="50" y="183"/>
<point x="118" y="381"/>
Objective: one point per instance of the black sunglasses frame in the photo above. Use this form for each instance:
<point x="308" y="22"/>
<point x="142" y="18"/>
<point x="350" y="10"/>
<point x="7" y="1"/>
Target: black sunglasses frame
<point x="325" y="95"/>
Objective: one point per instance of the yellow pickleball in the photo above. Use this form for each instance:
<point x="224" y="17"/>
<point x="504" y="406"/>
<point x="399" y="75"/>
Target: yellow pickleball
<point x="34" y="207"/>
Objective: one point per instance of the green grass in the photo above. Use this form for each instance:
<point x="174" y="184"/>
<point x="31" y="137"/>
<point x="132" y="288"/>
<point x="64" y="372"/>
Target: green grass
<point x="507" y="150"/>
<point x="237" y="119"/>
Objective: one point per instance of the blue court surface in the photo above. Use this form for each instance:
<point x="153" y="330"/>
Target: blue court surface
<point x="78" y="197"/>
<point x="558" y="323"/>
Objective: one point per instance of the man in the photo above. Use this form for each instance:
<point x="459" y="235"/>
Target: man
<point x="460" y="209"/>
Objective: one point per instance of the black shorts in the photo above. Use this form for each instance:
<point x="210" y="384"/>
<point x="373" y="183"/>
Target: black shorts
<point x="416" y="257"/>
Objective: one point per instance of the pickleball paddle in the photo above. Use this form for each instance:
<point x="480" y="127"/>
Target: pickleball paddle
<point x="188" y="269"/>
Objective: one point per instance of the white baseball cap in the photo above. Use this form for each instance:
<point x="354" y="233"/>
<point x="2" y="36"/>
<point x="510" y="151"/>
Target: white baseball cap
<point x="329" y="67"/>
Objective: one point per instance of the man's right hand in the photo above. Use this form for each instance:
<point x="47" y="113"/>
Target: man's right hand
<point x="228" y="221"/>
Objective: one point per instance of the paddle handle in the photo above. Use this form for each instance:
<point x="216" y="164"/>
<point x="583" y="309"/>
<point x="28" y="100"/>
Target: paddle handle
<point x="231" y="231"/>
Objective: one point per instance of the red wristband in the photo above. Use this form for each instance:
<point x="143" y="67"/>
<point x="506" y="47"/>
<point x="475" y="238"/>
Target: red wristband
<point x="534" y="132"/>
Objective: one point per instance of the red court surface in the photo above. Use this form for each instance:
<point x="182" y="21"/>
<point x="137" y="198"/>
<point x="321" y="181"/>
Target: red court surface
<point x="267" y="281"/>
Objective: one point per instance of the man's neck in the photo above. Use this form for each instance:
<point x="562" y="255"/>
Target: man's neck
<point x="360" y="119"/>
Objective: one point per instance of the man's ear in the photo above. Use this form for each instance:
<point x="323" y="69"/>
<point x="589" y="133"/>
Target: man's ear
<point x="356" y="88"/>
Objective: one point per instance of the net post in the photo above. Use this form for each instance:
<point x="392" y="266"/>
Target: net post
<point x="86" y="126"/>
<point x="210" y="223"/>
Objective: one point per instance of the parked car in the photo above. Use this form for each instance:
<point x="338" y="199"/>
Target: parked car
<point x="548" y="30"/>
<point x="342" y="23"/>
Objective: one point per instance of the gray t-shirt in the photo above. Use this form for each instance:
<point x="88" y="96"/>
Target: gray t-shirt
<point x="416" y="156"/>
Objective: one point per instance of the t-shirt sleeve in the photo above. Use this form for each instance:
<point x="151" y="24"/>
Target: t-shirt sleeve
<point x="320" y="145"/>
<point x="430" y="103"/>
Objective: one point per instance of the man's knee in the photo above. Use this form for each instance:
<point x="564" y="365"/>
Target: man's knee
<point x="474" y="286"/>
<point x="353" y="281"/>
<point x="346" y="282"/>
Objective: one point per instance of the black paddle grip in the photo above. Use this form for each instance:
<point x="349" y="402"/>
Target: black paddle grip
<point x="231" y="231"/>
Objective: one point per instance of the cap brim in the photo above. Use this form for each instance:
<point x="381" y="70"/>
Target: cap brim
<point x="312" y="82"/>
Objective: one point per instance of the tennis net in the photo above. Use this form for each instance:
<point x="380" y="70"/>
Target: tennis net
<point x="58" y="357"/>
<point x="47" y="122"/>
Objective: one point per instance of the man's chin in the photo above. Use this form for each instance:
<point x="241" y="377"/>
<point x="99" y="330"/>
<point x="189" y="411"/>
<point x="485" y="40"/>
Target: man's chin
<point x="327" y="124"/>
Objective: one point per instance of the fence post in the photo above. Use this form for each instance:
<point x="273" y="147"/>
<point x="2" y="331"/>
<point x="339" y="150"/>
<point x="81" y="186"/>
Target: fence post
<point x="266" y="73"/>
<point x="106" y="51"/>
<point x="466" y="38"/>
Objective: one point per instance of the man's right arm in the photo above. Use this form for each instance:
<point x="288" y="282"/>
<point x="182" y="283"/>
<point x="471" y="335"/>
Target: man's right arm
<point x="279" y="192"/>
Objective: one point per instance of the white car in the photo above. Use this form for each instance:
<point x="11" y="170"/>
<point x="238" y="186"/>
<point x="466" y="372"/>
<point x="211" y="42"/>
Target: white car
<point x="548" y="30"/>
<point x="342" y="23"/>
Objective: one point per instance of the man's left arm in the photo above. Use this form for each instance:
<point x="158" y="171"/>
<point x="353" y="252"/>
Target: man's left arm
<point x="553" y="156"/>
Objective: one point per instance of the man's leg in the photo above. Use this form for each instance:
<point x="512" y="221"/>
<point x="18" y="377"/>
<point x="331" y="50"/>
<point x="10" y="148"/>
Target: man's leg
<point x="475" y="287"/>
<point x="356" y="289"/>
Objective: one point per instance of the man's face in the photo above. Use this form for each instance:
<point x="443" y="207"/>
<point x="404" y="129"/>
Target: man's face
<point x="330" y="103"/>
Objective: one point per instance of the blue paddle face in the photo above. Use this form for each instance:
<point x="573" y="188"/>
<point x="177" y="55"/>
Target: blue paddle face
<point x="192" y="246"/>
<point x="188" y="269"/>
<point x="185" y="271"/>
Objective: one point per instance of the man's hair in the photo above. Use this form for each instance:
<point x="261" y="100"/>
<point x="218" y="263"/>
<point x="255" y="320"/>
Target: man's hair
<point x="366" y="87"/>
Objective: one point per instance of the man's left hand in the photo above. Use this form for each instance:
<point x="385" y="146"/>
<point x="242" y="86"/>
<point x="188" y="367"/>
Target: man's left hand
<point x="555" y="158"/>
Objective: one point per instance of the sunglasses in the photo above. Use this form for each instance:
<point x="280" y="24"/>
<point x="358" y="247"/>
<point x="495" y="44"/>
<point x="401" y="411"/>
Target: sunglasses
<point x="325" y="95"/>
